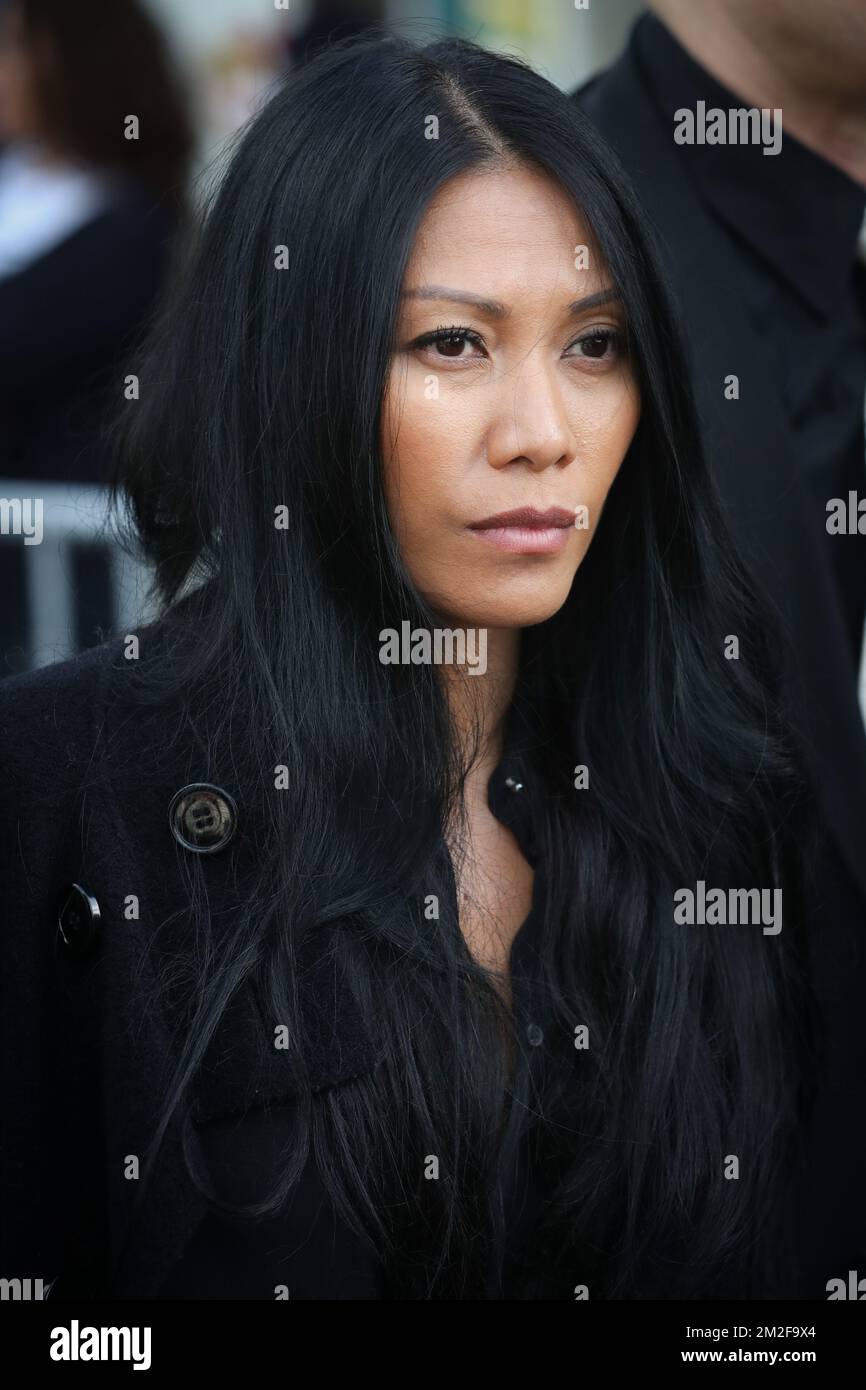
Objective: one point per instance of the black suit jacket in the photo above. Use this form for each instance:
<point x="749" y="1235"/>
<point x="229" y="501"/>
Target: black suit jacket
<point x="756" y="460"/>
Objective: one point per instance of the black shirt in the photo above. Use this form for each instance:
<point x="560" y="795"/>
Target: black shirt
<point x="307" y="1248"/>
<point x="793" y="219"/>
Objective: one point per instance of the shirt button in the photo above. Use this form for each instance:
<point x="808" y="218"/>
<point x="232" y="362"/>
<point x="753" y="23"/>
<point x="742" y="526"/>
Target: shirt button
<point x="203" y="818"/>
<point x="78" y="919"/>
<point x="512" y="785"/>
<point x="534" y="1035"/>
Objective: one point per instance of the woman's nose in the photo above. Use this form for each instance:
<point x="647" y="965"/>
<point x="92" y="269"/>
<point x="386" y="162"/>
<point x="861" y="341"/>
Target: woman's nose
<point x="532" y="424"/>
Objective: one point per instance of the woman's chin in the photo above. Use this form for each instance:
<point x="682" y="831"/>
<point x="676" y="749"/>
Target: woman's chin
<point x="511" y="611"/>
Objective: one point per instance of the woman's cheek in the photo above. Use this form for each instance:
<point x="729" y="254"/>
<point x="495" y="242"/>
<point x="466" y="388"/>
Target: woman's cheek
<point x="432" y="441"/>
<point x="606" y="435"/>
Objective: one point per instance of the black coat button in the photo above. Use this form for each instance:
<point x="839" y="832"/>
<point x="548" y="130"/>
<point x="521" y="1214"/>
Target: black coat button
<point x="203" y="818"/>
<point x="78" y="919"/>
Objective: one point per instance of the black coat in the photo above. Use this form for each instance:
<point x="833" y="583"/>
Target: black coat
<point x="89" y="823"/>
<point x="89" y="820"/>
<point x="758" y="464"/>
<point x="87" y="784"/>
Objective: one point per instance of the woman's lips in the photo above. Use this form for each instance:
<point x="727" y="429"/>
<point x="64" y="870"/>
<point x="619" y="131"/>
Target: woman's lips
<point x="527" y="531"/>
<point x="525" y="540"/>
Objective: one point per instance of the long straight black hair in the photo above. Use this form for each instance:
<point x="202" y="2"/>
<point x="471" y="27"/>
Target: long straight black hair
<point x="263" y="387"/>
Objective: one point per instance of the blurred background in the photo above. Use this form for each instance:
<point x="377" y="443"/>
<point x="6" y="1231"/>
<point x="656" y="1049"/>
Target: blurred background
<point x="86" y="248"/>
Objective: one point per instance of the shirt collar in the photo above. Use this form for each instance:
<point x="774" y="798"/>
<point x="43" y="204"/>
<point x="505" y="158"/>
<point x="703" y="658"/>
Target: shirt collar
<point x="799" y="213"/>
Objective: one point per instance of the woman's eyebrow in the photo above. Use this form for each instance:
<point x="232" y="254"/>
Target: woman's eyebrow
<point x="494" y="309"/>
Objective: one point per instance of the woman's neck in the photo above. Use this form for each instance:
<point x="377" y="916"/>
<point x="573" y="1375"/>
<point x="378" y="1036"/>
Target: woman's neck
<point x="479" y="702"/>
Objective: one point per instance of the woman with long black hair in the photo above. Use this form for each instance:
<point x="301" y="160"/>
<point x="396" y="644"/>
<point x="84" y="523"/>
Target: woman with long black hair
<point x="370" y="855"/>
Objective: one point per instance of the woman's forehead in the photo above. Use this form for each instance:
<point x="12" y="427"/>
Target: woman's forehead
<point x="505" y="228"/>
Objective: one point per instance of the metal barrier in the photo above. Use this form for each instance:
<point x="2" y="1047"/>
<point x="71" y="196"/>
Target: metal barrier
<point x="69" y="514"/>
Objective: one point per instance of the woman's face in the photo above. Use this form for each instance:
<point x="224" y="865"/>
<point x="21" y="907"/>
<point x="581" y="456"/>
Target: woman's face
<point x="524" y="400"/>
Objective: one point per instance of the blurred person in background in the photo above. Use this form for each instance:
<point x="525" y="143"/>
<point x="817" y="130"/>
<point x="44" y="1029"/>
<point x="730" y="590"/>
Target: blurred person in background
<point x="88" y="220"/>
<point x="764" y="249"/>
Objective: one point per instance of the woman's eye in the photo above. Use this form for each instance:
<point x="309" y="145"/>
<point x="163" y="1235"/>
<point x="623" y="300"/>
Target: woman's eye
<point x="450" y="342"/>
<point x="599" y="343"/>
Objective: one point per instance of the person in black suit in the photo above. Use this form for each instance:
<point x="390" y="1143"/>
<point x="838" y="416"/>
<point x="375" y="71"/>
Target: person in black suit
<point x="760" y="242"/>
